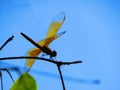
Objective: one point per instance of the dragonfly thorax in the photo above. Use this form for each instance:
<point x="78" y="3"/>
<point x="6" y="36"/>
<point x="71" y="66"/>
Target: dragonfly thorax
<point x="48" y="51"/>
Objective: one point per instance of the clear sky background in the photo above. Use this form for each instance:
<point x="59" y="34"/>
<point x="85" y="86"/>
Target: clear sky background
<point x="93" y="33"/>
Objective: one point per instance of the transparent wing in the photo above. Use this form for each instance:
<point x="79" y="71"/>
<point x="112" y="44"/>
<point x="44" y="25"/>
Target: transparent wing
<point x="47" y="41"/>
<point x="34" y="52"/>
<point x="55" y="25"/>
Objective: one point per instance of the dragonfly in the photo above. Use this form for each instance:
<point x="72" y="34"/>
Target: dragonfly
<point x="43" y="45"/>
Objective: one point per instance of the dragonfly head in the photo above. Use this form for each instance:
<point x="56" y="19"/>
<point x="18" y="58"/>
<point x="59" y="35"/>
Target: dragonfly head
<point x="53" y="54"/>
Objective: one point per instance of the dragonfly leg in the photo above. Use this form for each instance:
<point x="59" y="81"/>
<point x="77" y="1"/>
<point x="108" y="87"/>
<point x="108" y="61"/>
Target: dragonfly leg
<point x="53" y="58"/>
<point x="42" y="56"/>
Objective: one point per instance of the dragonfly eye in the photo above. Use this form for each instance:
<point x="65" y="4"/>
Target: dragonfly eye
<point x="53" y="54"/>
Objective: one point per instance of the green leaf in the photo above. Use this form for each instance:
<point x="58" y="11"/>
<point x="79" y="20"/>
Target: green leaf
<point x="24" y="82"/>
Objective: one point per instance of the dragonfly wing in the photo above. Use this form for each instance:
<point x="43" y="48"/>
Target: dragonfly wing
<point x="33" y="53"/>
<point x="47" y="41"/>
<point x="50" y="36"/>
<point x="55" y="25"/>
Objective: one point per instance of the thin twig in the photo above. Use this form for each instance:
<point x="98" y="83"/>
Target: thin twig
<point x="9" y="39"/>
<point x="61" y="77"/>
<point x="1" y="81"/>
<point x="4" y="69"/>
<point x="43" y="59"/>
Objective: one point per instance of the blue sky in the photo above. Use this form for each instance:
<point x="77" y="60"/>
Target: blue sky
<point x="93" y="32"/>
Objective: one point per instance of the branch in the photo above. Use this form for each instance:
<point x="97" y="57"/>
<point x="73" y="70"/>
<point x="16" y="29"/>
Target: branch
<point x="9" y="39"/>
<point x="57" y="63"/>
<point x="43" y="59"/>
<point x="4" y="69"/>
<point x="1" y="81"/>
<point x="61" y="77"/>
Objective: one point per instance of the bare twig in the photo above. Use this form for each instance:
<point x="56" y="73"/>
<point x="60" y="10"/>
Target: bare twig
<point x="61" y="77"/>
<point x="57" y="63"/>
<point x="1" y="81"/>
<point x="4" y="69"/>
<point x="9" y="39"/>
<point x="43" y="59"/>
